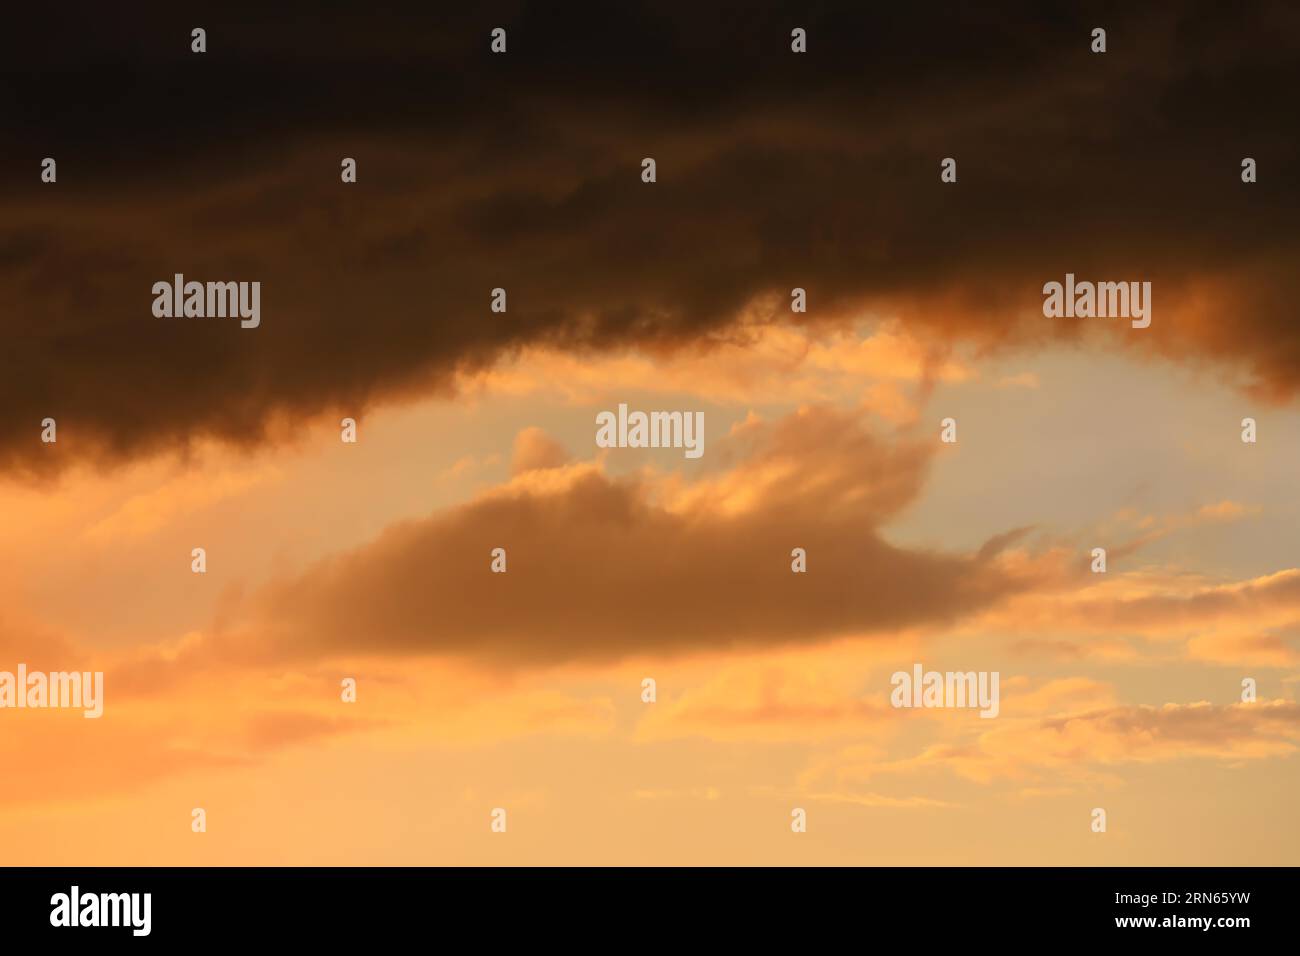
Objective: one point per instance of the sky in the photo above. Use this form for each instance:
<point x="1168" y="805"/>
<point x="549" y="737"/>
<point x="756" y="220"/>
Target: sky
<point x="371" y="561"/>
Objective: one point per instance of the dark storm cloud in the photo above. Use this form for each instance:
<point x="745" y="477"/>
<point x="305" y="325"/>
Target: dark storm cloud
<point x="522" y="171"/>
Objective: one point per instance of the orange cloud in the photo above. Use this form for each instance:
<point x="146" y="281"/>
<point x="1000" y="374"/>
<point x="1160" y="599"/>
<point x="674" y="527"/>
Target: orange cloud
<point x="600" y="568"/>
<point x="1081" y="745"/>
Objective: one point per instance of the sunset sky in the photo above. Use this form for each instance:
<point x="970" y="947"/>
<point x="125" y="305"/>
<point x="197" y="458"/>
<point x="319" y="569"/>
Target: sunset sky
<point x="476" y="430"/>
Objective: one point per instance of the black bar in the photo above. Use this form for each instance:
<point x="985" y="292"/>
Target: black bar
<point x="662" y="909"/>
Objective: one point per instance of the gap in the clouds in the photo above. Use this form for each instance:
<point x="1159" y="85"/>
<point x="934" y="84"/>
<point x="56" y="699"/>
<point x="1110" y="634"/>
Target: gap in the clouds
<point x="1082" y="443"/>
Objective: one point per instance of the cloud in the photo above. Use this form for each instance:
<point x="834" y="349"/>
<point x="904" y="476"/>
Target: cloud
<point x="1250" y="622"/>
<point x="149" y="511"/>
<point x="525" y="175"/>
<point x="601" y="568"/>
<point x="535" y="450"/>
<point x="1150" y="528"/>
<point x="1264" y="650"/>
<point x="1081" y="745"/>
<point x="880" y="800"/>
<point x="212" y="725"/>
<point x="776" y="698"/>
<point x="815" y="364"/>
<point x="1271" y="599"/>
